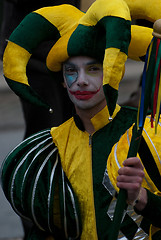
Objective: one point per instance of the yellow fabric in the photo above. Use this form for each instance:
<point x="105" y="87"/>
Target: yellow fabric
<point x="153" y="141"/>
<point x="15" y="59"/>
<point x="119" y="154"/>
<point x="112" y="164"/>
<point x="145" y="9"/>
<point x="104" y="116"/>
<point x="113" y="67"/>
<point x="140" y="39"/>
<point x="75" y="154"/>
<point x="117" y="8"/>
<point x="58" y="54"/>
<point x="64" y="17"/>
<point x="120" y="150"/>
<point x="76" y="160"/>
<point x="152" y="231"/>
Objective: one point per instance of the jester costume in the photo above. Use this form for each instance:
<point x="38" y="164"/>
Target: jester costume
<point x="62" y="178"/>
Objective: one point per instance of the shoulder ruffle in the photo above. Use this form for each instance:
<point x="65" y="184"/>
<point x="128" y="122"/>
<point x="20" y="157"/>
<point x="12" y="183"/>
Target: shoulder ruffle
<point x="36" y="186"/>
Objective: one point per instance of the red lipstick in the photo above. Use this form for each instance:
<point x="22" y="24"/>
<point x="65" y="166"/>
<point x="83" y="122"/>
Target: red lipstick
<point x="83" y="95"/>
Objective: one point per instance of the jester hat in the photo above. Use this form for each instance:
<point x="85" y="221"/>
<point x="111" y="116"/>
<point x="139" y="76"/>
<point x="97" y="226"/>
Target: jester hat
<point x="103" y="32"/>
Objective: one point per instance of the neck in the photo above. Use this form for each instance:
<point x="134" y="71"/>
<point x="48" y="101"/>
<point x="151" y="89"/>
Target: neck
<point x="86" y="115"/>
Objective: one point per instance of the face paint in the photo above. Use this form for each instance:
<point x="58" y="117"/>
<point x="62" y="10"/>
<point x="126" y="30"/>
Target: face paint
<point x="70" y="79"/>
<point x="83" y="78"/>
<point x="93" y="69"/>
<point x="71" y="71"/>
<point x="70" y="74"/>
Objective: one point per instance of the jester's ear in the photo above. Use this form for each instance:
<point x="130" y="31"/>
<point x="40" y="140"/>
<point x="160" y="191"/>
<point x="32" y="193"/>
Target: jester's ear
<point x="38" y="26"/>
<point x="15" y="60"/>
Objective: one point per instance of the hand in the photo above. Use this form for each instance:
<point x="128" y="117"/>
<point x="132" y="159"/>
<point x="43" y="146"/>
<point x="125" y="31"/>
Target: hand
<point x="130" y="178"/>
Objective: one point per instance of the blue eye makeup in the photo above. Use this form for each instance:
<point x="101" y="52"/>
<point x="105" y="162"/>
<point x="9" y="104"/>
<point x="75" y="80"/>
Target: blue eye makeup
<point x="71" y="74"/>
<point x="70" y="79"/>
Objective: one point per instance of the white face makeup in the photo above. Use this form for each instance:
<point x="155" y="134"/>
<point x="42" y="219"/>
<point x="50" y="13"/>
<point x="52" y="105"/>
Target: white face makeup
<point x="83" y="78"/>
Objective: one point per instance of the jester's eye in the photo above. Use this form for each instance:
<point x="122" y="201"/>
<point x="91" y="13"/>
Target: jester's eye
<point x="70" y="70"/>
<point x="70" y="74"/>
<point x="94" y="69"/>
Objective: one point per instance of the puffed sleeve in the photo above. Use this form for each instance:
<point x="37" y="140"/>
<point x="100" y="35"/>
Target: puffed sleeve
<point x="37" y="188"/>
<point x="150" y="155"/>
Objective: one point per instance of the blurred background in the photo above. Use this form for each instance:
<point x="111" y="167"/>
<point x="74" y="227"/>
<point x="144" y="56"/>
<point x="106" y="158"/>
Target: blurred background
<point x="12" y="128"/>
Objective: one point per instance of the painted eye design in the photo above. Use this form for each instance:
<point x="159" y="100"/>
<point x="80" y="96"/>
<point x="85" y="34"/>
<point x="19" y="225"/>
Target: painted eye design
<point x="71" y="75"/>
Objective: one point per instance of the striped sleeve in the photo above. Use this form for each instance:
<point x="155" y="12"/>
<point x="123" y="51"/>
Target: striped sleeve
<point x="37" y="188"/>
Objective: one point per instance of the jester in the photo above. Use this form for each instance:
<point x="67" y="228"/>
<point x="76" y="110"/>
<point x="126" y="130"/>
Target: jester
<point x="67" y="179"/>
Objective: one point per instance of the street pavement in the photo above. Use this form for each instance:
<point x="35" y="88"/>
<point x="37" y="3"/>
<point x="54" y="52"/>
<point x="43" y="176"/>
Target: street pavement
<point x="12" y="130"/>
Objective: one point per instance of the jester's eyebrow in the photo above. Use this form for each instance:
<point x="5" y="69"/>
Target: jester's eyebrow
<point x="93" y="62"/>
<point x="69" y="64"/>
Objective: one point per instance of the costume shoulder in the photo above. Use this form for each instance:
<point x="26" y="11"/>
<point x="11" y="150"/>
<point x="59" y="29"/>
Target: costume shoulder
<point x="37" y="188"/>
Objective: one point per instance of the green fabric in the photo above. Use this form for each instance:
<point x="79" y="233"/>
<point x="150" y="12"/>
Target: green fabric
<point x="102" y="142"/>
<point x="111" y="95"/>
<point x="117" y="32"/>
<point x="12" y="163"/>
<point x="34" y="182"/>
<point x="26" y="92"/>
<point x="70" y="219"/>
<point x="121" y="201"/>
<point x="149" y="163"/>
<point x="134" y="145"/>
<point x="36" y="234"/>
<point x="129" y="227"/>
<point x="25" y="162"/>
<point x="87" y="41"/>
<point x="93" y="40"/>
<point x="40" y="28"/>
<point x="152" y="211"/>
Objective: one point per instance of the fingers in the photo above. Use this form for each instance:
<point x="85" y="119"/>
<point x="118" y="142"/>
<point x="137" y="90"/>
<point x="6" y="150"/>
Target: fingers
<point x="131" y="172"/>
<point x="134" y="162"/>
<point x="130" y="177"/>
<point x="129" y="183"/>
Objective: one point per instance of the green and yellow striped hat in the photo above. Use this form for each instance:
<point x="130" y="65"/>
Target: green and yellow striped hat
<point x="103" y="32"/>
